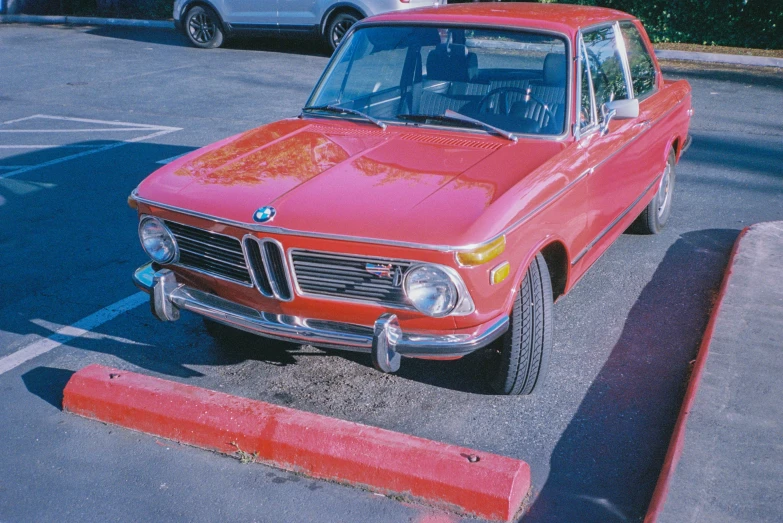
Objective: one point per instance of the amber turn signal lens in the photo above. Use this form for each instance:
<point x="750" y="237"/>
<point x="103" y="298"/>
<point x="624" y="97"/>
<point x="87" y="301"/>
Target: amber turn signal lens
<point x="488" y="251"/>
<point x="132" y="203"/>
<point x="499" y="273"/>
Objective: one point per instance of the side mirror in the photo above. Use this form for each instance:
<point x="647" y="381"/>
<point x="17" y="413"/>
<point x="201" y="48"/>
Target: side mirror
<point x="620" y="109"/>
<point x="624" y="108"/>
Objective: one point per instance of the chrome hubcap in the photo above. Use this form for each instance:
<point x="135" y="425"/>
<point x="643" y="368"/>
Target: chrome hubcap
<point x="202" y="29"/>
<point x="664" y="195"/>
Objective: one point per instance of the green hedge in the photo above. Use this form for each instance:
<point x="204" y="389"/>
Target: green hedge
<point x="737" y="23"/>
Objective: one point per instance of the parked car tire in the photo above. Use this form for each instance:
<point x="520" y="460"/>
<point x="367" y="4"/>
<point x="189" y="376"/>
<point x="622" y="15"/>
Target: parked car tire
<point x="337" y="28"/>
<point x="656" y="214"/>
<point x="518" y="360"/>
<point x="203" y="27"/>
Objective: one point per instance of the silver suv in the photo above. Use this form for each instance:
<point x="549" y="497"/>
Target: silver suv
<point x="207" y="22"/>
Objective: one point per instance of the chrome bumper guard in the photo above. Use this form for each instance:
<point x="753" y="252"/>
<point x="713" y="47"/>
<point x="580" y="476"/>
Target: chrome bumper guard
<point x="385" y="340"/>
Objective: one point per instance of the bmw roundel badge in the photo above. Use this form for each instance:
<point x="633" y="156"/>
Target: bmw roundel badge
<point x="264" y="214"/>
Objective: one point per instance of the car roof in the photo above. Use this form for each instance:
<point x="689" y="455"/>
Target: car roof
<point x="562" y="18"/>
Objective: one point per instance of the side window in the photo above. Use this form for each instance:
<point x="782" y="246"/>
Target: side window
<point x="587" y="114"/>
<point x="606" y="66"/>
<point x="639" y="60"/>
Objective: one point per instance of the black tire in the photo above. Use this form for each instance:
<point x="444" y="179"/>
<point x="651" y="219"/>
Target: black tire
<point x="338" y="26"/>
<point x="518" y="360"/>
<point x="654" y="217"/>
<point x="203" y="28"/>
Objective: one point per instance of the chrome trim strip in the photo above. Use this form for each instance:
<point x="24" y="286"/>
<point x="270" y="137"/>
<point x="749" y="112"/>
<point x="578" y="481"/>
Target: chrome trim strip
<point x="323" y="333"/>
<point x="614" y="223"/>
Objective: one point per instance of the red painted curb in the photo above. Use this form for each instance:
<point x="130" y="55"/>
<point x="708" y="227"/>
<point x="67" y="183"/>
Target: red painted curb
<point x="492" y="487"/>
<point x="678" y="435"/>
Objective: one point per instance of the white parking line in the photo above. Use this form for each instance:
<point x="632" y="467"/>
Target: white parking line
<point x="69" y="146"/>
<point x="157" y="130"/>
<point x="169" y="160"/>
<point x="76" y="330"/>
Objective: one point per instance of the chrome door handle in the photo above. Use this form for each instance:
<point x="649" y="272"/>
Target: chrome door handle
<point x="645" y="123"/>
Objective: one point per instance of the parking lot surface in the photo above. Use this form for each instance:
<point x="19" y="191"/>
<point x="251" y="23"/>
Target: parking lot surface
<point x="86" y="114"/>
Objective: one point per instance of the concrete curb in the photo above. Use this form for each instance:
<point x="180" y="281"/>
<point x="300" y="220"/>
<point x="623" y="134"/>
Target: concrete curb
<point x="84" y="20"/>
<point x="677" y="442"/>
<point x="477" y="483"/>
<point x="738" y="59"/>
<point x="763" y="61"/>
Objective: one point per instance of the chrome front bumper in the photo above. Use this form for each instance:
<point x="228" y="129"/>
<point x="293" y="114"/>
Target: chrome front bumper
<point x="384" y="340"/>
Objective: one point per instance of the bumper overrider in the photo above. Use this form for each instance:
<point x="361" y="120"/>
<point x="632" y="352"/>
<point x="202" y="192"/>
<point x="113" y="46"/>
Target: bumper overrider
<point x="385" y="340"/>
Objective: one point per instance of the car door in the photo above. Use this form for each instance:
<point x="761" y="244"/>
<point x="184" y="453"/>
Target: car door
<point x="617" y="156"/>
<point x="298" y="14"/>
<point x="251" y="14"/>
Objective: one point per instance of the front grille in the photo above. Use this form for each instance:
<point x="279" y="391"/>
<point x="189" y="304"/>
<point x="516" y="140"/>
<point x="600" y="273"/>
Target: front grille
<point x="267" y="266"/>
<point x="348" y="277"/>
<point x="210" y="253"/>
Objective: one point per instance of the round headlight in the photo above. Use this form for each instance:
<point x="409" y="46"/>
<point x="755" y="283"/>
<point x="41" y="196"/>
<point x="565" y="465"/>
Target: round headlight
<point x="431" y="290"/>
<point x="157" y="240"/>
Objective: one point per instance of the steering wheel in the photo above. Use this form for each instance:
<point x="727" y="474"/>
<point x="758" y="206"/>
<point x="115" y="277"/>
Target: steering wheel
<point x="504" y="107"/>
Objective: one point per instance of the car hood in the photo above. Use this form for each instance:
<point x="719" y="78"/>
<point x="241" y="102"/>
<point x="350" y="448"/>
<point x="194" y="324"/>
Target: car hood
<point x="347" y="178"/>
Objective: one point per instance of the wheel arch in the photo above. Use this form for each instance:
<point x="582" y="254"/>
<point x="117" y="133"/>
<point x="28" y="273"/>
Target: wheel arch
<point x="557" y="258"/>
<point x="337" y="8"/>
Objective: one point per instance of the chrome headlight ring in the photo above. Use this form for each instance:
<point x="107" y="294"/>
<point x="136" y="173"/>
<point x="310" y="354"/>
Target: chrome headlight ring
<point x="157" y="240"/>
<point x="458" y="302"/>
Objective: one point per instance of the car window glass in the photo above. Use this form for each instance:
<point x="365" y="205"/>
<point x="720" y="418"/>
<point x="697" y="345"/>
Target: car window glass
<point x="606" y="66"/>
<point x="639" y="60"/>
<point x="514" y="80"/>
<point x="586" y="99"/>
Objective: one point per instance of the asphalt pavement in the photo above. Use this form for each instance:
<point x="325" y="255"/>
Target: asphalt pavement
<point x="89" y="112"/>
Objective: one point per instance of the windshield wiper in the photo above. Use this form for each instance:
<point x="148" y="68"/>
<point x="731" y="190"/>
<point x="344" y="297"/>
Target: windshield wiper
<point x="344" y="110"/>
<point x="453" y="116"/>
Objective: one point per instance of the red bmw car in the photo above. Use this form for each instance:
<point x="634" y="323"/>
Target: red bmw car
<point x="455" y="171"/>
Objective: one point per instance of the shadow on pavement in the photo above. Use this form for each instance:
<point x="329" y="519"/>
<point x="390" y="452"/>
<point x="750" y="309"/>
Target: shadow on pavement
<point x="48" y="384"/>
<point x="603" y="468"/>
<point x="291" y="45"/>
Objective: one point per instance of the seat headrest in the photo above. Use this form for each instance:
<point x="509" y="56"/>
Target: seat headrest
<point x="453" y="63"/>
<point x="555" y="69"/>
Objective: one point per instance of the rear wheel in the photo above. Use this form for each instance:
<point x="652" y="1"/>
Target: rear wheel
<point x="518" y="360"/>
<point x="656" y="214"/>
<point x="202" y="27"/>
<point x="338" y="26"/>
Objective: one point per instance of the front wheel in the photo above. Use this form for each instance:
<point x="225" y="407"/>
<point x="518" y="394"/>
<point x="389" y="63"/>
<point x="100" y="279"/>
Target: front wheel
<point x="656" y="214"/>
<point x="202" y="27"/>
<point x="518" y="360"/>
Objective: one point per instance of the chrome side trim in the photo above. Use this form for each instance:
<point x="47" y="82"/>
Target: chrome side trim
<point x="614" y="223"/>
<point x="323" y="333"/>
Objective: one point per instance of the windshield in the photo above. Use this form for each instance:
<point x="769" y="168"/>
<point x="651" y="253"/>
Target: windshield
<point x="512" y="80"/>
